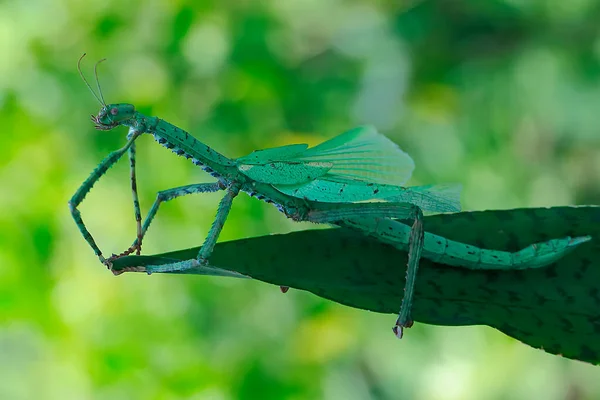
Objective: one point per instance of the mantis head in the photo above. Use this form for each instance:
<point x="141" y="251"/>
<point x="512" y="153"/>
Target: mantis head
<point x="110" y="115"/>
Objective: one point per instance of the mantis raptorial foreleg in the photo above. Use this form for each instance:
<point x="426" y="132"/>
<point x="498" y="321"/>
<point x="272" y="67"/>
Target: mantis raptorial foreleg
<point x="339" y="213"/>
<point x="84" y="189"/>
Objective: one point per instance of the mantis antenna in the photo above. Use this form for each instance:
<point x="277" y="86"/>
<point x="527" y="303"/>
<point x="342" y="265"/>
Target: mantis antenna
<point x="98" y="81"/>
<point x="100" y="98"/>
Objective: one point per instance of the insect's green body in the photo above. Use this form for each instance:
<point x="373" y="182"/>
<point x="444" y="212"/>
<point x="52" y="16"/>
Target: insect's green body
<point x="273" y="175"/>
<point x="353" y="180"/>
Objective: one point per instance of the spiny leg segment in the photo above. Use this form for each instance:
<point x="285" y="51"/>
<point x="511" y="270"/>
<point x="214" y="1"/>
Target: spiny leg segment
<point x="218" y="223"/>
<point x="414" y="255"/>
<point x="215" y="229"/>
<point x="87" y="185"/>
<point x="162" y="196"/>
<point x="136" y="202"/>
<point x="334" y="213"/>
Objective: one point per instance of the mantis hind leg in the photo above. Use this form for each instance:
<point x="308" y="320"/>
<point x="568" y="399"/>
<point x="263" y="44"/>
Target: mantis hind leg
<point x="415" y="248"/>
<point x="346" y="214"/>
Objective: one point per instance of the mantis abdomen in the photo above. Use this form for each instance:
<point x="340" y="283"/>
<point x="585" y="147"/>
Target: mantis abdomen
<point x="441" y="250"/>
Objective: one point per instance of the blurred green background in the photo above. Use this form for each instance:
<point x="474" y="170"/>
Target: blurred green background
<point x="502" y="96"/>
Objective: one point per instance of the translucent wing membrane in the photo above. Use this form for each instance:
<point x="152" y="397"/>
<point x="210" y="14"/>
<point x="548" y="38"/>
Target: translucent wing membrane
<point x="362" y="154"/>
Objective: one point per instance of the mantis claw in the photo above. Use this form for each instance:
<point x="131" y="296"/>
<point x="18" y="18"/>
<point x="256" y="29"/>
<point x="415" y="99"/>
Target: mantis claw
<point x="398" y="329"/>
<point x="108" y="262"/>
<point x="135" y="247"/>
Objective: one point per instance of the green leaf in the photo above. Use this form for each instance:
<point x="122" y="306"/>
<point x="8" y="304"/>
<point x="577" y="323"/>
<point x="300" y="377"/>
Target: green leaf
<point x="554" y="308"/>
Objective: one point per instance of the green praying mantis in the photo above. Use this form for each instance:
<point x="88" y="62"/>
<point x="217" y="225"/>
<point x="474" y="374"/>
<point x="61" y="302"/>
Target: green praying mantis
<point x="353" y="180"/>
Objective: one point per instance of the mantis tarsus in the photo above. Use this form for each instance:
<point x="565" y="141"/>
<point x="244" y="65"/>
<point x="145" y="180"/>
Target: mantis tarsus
<point x="352" y="180"/>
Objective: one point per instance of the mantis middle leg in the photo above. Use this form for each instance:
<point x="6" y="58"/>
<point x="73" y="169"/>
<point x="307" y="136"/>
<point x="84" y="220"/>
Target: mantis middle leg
<point x="213" y="233"/>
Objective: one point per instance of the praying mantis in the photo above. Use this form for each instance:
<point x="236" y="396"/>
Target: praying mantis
<point x="353" y="180"/>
